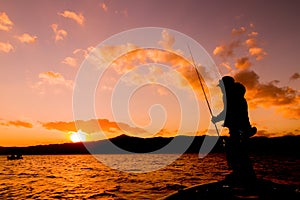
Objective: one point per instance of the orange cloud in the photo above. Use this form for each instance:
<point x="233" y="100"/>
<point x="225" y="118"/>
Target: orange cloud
<point x="104" y="7"/>
<point x="162" y="91"/>
<point x="55" y="79"/>
<point x="20" y="124"/>
<point x="295" y="76"/>
<point x="130" y="55"/>
<point x="248" y="50"/>
<point x="26" y="38"/>
<point x="251" y="42"/>
<point x="225" y="51"/>
<point x="79" y="18"/>
<point x="70" y="61"/>
<point x="133" y="56"/>
<point x="286" y="100"/>
<point x="219" y="49"/>
<point x="259" y="53"/>
<point x="275" y="95"/>
<point x="5" y="23"/>
<point x="242" y="63"/>
<point x="60" y="34"/>
<point x="253" y="34"/>
<point x="249" y="78"/>
<point x="94" y="126"/>
<point x="167" y="41"/>
<point x="84" y="52"/>
<point x="239" y="31"/>
<point x="60" y="126"/>
<point x="6" y="47"/>
<point x="254" y="48"/>
<point x="292" y="111"/>
<point x="50" y="75"/>
<point x="17" y="123"/>
<point x="52" y="79"/>
<point x="137" y="57"/>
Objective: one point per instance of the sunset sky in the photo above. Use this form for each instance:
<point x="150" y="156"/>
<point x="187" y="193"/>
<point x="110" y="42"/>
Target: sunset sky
<point x="43" y="45"/>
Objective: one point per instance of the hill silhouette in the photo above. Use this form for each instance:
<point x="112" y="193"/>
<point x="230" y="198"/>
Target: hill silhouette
<point x="262" y="145"/>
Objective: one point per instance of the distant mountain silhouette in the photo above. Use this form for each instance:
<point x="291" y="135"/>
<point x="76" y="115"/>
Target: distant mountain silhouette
<point x="262" y="145"/>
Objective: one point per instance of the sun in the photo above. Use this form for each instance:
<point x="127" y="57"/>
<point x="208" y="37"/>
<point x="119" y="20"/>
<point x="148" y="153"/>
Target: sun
<point x="78" y="136"/>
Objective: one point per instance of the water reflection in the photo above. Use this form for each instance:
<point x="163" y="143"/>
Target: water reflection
<point x="82" y="176"/>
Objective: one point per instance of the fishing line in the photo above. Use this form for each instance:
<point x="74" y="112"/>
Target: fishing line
<point x="202" y="87"/>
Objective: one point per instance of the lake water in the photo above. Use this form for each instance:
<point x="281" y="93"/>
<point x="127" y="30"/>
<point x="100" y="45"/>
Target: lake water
<point x="84" y="177"/>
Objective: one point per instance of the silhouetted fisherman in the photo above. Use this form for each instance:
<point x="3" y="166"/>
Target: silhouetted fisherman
<point x="235" y="116"/>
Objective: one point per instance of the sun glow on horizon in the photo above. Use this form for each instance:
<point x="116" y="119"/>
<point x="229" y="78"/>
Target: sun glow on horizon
<point x="78" y="136"/>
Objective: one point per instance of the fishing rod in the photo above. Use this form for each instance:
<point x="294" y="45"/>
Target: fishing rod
<point x="202" y="87"/>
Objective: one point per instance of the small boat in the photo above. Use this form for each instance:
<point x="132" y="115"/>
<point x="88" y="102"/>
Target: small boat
<point x="263" y="190"/>
<point x="15" y="157"/>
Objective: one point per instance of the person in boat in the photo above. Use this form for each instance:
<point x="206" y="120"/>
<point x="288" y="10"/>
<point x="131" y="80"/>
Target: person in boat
<point x="15" y="157"/>
<point x="236" y="119"/>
